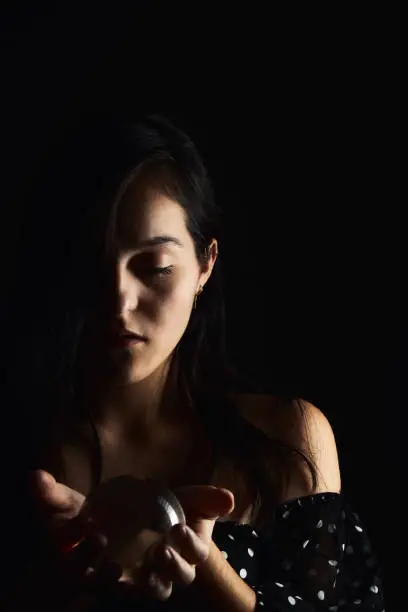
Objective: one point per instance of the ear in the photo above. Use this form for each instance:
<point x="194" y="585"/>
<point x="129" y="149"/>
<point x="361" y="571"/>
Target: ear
<point x="208" y="264"/>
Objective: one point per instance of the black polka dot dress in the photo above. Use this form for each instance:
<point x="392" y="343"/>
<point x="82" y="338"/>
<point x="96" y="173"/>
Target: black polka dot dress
<point x="315" y="556"/>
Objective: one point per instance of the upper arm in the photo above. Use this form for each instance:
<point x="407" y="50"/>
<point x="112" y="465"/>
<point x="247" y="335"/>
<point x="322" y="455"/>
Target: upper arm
<point x="304" y="427"/>
<point x="319" y="438"/>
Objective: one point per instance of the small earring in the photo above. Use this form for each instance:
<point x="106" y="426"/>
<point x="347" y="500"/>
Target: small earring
<point x="200" y="290"/>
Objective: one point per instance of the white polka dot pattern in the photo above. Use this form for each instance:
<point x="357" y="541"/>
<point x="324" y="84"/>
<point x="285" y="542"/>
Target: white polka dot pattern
<point x="317" y="536"/>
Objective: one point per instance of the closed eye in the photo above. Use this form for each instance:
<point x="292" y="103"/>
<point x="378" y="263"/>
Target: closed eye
<point x="162" y="271"/>
<point x="143" y="265"/>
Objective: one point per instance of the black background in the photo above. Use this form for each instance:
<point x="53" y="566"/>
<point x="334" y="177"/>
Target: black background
<point x="296" y="116"/>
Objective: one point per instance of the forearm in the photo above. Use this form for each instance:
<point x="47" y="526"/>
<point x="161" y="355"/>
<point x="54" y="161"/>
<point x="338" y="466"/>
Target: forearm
<point x="226" y="591"/>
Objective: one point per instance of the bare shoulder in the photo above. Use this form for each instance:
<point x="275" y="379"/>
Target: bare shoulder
<point x="300" y="424"/>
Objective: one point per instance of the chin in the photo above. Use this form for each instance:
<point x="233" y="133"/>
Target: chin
<point x="127" y="368"/>
<point x="130" y="375"/>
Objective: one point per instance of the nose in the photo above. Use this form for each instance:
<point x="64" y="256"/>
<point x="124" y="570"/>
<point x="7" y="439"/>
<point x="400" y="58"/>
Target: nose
<point x="126" y="290"/>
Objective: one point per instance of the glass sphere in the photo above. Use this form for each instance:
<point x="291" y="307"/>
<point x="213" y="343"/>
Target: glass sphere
<point x="133" y="514"/>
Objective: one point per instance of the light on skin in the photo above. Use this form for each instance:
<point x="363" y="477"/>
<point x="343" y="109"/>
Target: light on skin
<point x="151" y="233"/>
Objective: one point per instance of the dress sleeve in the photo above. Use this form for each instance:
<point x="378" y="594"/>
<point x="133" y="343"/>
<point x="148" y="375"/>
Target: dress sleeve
<point x="317" y="556"/>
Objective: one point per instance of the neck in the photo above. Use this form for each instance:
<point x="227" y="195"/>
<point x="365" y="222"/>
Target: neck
<point x="137" y="409"/>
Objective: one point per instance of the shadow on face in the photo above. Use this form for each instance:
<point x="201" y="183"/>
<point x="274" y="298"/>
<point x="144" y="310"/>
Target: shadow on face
<point x="157" y="275"/>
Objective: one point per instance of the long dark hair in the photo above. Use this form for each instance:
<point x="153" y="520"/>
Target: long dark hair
<point x="68" y="233"/>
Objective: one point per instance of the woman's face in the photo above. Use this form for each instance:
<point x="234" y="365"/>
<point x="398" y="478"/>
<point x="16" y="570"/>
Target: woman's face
<point x="157" y="277"/>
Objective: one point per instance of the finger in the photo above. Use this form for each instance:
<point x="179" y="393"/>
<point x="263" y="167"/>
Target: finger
<point x="105" y="576"/>
<point x="88" y="554"/>
<point x="158" y="587"/>
<point x="173" y="567"/>
<point x="185" y="541"/>
<point x="55" y="495"/>
<point x="72" y="532"/>
<point x="205" y="501"/>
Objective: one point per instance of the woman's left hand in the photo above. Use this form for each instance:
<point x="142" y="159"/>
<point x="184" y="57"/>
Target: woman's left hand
<point x="174" y="559"/>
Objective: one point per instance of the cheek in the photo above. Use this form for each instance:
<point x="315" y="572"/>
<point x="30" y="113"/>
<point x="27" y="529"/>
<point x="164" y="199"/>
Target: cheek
<point x="175" y="307"/>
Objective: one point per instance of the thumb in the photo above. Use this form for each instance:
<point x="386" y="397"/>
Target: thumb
<point x="54" y="495"/>
<point x="205" y="501"/>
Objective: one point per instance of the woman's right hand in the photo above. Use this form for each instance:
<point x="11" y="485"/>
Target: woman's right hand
<point x="75" y="566"/>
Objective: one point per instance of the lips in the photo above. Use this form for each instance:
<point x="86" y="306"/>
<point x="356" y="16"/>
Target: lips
<point x="121" y="333"/>
<point x="129" y="334"/>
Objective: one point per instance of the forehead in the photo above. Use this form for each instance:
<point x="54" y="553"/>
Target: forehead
<point x="147" y="212"/>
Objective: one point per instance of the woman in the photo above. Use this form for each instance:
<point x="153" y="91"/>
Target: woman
<point x="129" y="375"/>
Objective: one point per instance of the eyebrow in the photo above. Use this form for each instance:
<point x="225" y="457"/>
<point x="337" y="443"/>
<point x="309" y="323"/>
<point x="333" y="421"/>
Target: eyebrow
<point x="158" y="240"/>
